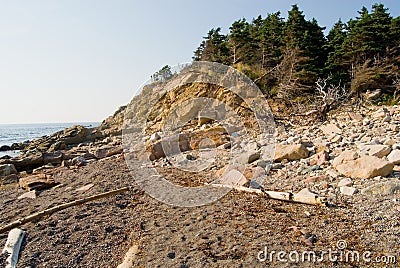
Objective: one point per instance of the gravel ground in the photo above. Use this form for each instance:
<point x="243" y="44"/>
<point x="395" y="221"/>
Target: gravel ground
<point x="230" y="232"/>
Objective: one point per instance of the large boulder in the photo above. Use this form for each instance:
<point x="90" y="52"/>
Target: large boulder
<point x="365" y="167"/>
<point x="78" y="134"/>
<point x="290" y="152"/>
<point x="344" y="157"/>
<point x="168" y="146"/>
<point x="28" y="162"/>
<point x="37" y="182"/>
<point x="383" y="188"/>
<point x="7" y="169"/>
<point x="206" y="138"/>
<point x="54" y="158"/>
<point x="107" y="151"/>
<point x="5" y="148"/>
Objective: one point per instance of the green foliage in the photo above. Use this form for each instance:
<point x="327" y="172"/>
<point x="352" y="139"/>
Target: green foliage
<point x="359" y="54"/>
<point x="164" y="74"/>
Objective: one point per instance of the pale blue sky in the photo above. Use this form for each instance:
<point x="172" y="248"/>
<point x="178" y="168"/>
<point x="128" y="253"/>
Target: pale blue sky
<point x="78" y="60"/>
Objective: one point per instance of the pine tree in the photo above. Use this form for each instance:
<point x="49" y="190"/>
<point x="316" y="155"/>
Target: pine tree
<point x="308" y="36"/>
<point x="239" y="39"/>
<point x="334" y="66"/>
<point x="214" y="48"/>
<point x="271" y="40"/>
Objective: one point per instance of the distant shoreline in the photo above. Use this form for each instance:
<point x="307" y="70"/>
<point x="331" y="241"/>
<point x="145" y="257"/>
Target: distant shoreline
<point x="16" y="133"/>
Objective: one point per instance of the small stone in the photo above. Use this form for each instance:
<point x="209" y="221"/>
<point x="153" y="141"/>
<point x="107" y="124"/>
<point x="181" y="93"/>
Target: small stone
<point x="381" y="113"/>
<point x="155" y="137"/>
<point x="332" y="173"/>
<point x="171" y="255"/>
<point x="290" y="152"/>
<point x="262" y="163"/>
<point x="247" y="158"/>
<point x="346" y="190"/>
<point x="335" y="138"/>
<point x="330" y="129"/>
<point x="345" y="182"/>
<point x="319" y="158"/>
<point x="190" y="157"/>
<point x="314" y="179"/>
<point x="30" y="194"/>
<point x="344" y="156"/>
<point x="309" y="239"/>
<point x="394" y="157"/>
<point x="78" y="161"/>
<point x="387" y="118"/>
<point x="85" y="188"/>
<point x="293" y="140"/>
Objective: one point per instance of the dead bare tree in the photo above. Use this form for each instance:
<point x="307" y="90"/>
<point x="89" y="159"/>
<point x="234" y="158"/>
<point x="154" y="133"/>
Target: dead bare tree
<point x="285" y="73"/>
<point x="328" y="97"/>
<point x="396" y="83"/>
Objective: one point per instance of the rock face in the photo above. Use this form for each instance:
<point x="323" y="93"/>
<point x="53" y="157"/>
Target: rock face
<point x="290" y="152"/>
<point x="112" y="125"/>
<point x="7" y="169"/>
<point x="365" y="167"/>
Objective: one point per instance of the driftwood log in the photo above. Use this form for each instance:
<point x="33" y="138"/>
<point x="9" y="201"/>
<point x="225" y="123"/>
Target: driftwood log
<point x="13" y="246"/>
<point x="129" y="257"/>
<point x="303" y="197"/>
<point x="49" y="211"/>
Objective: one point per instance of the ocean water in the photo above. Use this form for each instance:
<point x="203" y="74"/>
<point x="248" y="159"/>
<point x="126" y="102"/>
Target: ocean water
<point x="14" y="133"/>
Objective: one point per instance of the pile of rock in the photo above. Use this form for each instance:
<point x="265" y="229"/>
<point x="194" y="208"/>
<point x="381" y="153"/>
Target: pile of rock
<point x="351" y="153"/>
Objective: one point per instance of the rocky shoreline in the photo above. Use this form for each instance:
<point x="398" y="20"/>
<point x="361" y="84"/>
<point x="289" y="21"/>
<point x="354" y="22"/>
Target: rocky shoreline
<point x="352" y="160"/>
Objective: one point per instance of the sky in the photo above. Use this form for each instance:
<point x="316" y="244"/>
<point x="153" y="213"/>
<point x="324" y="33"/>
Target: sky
<point x="79" y="60"/>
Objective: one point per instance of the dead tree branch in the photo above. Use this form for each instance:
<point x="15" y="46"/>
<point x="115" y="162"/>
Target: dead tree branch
<point x="49" y="211"/>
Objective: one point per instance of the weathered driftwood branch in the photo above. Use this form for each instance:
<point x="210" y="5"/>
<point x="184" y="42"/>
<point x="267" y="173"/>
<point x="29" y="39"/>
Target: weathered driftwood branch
<point x="13" y="246"/>
<point x="129" y="257"/>
<point x="303" y="197"/>
<point x="49" y="211"/>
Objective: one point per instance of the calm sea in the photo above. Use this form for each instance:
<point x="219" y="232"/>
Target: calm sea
<point x="15" y="133"/>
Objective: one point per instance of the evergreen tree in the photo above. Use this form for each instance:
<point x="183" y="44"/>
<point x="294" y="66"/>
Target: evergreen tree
<point x="239" y="40"/>
<point x="271" y="43"/>
<point x="214" y="48"/>
<point x="308" y="36"/>
<point x="334" y="66"/>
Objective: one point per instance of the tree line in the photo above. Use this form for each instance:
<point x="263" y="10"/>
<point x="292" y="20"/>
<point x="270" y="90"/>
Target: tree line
<point x="288" y="56"/>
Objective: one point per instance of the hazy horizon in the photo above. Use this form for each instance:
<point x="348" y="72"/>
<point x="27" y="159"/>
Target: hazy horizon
<point x="78" y="61"/>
